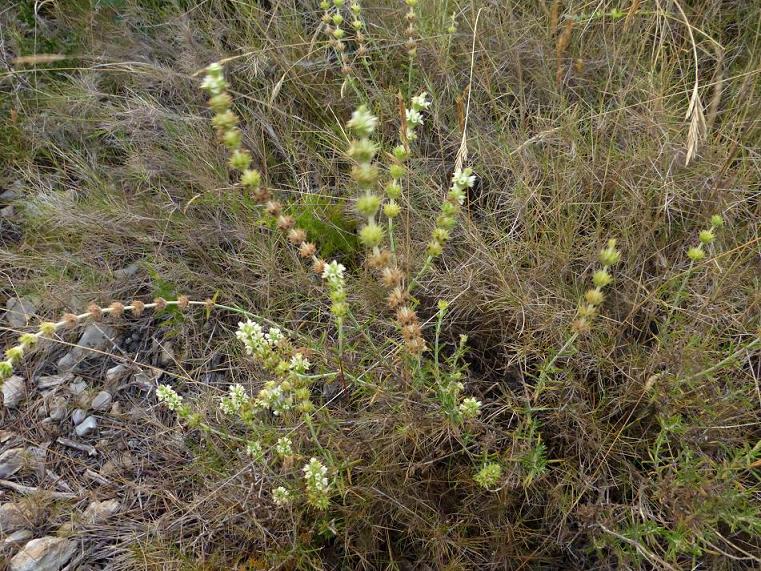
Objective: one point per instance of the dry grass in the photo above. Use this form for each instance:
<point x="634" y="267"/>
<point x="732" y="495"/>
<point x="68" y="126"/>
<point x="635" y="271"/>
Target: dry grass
<point x="576" y="128"/>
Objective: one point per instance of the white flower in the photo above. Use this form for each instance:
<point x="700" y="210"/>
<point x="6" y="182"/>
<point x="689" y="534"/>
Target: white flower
<point x="420" y="102"/>
<point x="299" y="364"/>
<point x="463" y="179"/>
<point x="281" y="497"/>
<point x="470" y="408"/>
<point x="315" y="475"/>
<point x="284" y="447"/>
<point x="274" y="336"/>
<point x="414" y="118"/>
<point x="237" y="398"/>
<point x="362" y="122"/>
<point x="169" y="397"/>
<point x="274" y="398"/>
<point x="254" y="450"/>
<point x="333" y="272"/>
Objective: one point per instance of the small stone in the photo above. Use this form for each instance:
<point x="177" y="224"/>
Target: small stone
<point x="78" y="416"/>
<point x="57" y="408"/>
<point x="116" y="409"/>
<point x="144" y="381"/>
<point x="14" y="516"/>
<point x="44" y="554"/>
<point x="78" y="387"/>
<point x="30" y="459"/>
<point x="17" y="537"/>
<point x="13" y="389"/>
<point x="102" y="401"/>
<point x="97" y="336"/>
<point x="166" y="357"/>
<point x="19" y="311"/>
<point x="116" y="374"/>
<point x="50" y="381"/>
<point x="126" y="272"/>
<point x="7" y="211"/>
<point x="98" y="512"/>
<point x="87" y="426"/>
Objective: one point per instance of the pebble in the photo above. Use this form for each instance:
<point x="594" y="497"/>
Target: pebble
<point x="126" y="272"/>
<point x="78" y="387"/>
<point x="97" y="336"/>
<point x="7" y="211"/>
<point x="57" y="408"/>
<point x="87" y="426"/>
<point x="14" y="390"/>
<point x="43" y="554"/>
<point x="115" y="374"/>
<point x="13" y="516"/>
<point x="19" y="311"/>
<point x="30" y="459"/>
<point x="17" y="537"/>
<point x="78" y="416"/>
<point x="50" y="381"/>
<point x="102" y="401"/>
<point x="98" y="512"/>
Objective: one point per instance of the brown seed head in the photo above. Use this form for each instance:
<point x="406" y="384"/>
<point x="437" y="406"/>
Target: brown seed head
<point x="183" y="302"/>
<point x="396" y="298"/>
<point x="379" y="260"/>
<point x="285" y="222"/>
<point x="95" y="311"/>
<point x="70" y="320"/>
<point x="392" y="277"/>
<point x="416" y="346"/>
<point x="297" y="236"/>
<point x="160" y="303"/>
<point x="273" y="207"/>
<point x="405" y="315"/>
<point x="319" y="266"/>
<point x="307" y="250"/>
<point x="117" y="309"/>
<point x="411" y="330"/>
<point x="137" y="307"/>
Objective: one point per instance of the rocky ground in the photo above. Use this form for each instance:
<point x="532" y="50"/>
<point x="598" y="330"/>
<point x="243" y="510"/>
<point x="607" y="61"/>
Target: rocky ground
<point x="72" y="444"/>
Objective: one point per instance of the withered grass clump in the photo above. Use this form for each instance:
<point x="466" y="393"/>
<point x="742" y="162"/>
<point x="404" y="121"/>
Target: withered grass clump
<point x="419" y="348"/>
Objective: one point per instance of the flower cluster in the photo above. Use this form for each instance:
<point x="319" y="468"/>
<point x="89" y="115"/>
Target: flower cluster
<point x="411" y="28"/>
<point x="284" y="447"/>
<point x="413" y="116"/>
<point x="225" y="121"/>
<point x="365" y="174"/>
<point x="169" y="398"/>
<point x="273" y="351"/>
<point x="333" y="274"/>
<point x="470" y="408"/>
<point x="489" y="475"/>
<point x="281" y="497"/>
<point x="608" y="257"/>
<point x="236" y="400"/>
<point x="706" y="238"/>
<point x="447" y="219"/>
<point x="317" y="485"/>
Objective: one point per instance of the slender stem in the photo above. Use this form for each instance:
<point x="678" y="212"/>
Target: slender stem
<point x="715" y="367"/>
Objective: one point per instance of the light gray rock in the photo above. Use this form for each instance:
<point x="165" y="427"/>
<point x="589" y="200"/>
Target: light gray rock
<point x="78" y="387"/>
<point x="19" y="311"/>
<point x="50" y="381"/>
<point x="78" y="416"/>
<point x="17" y="537"/>
<point x="116" y="374"/>
<point x="44" y="554"/>
<point x="97" y="336"/>
<point x="57" y="408"/>
<point x="126" y="272"/>
<point x="102" y="401"/>
<point x="14" y="390"/>
<point x="30" y="459"/>
<point x="7" y="211"/>
<point x="14" y="516"/>
<point x="98" y="512"/>
<point x="87" y="426"/>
